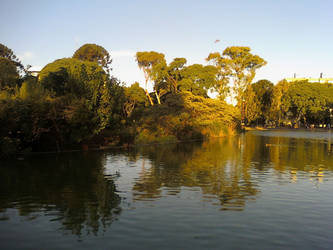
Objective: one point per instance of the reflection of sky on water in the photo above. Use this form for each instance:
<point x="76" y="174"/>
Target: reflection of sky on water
<point x="306" y="134"/>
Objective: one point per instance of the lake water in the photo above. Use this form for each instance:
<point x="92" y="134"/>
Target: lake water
<point x="259" y="190"/>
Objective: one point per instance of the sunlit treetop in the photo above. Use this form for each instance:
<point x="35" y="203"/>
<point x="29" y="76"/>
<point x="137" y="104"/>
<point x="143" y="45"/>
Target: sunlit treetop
<point x="94" y="53"/>
<point x="70" y="75"/>
<point x="238" y="64"/>
<point x="147" y="59"/>
<point x="240" y="60"/>
<point x="177" y="63"/>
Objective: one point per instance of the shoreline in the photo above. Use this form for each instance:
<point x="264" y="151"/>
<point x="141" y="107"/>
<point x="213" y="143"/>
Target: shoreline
<point x="286" y="129"/>
<point x="94" y="147"/>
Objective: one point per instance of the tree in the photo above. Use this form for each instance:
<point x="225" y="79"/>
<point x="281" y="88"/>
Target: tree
<point x="147" y="62"/>
<point x="278" y="108"/>
<point x="94" y="53"/>
<point x="10" y="68"/>
<point x="309" y="102"/>
<point x="175" y="70"/>
<point x="87" y="95"/>
<point x="241" y="66"/>
<point x="167" y="77"/>
<point x="259" y="98"/>
<point x="134" y="95"/>
<point x="222" y="76"/>
<point x="6" y="52"/>
<point x="198" y="79"/>
<point x="31" y="90"/>
<point x="253" y="108"/>
<point x="8" y="74"/>
<point x="72" y="76"/>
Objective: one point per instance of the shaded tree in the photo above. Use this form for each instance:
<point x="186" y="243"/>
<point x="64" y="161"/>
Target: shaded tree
<point x="259" y="98"/>
<point x="8" y="74"/>
<point x="72" y="76"/>
<point x="90" y="100"/>
<point x="6" y="52"/>
<point x="278" y="108"/>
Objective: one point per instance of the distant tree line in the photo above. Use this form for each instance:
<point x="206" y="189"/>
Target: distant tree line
<point x="293" y="104"/>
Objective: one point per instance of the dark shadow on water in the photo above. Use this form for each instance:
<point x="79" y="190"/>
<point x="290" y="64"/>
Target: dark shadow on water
<point x="68" y="188"/>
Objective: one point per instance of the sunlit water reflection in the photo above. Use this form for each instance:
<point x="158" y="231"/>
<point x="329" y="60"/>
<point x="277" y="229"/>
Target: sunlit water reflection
<point x="264" y="189"/>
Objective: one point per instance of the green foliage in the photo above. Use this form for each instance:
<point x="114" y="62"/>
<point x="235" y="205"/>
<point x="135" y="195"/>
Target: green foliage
<point x="198" y="79"/>
<point x="186" y="116"/>
<point x="236" y="63"/>
<point x="71" y="102"/>
<point x="94" y="53"/>
<point x="147" y="61"/>
<point x="309" y="102"/>
<point x="87" y="82"/>
<point x="72" y="76"/>
<point x="7" y="53"/>
<point x="9" y="75"/>
<point x="301" y="103"/>
<point x="175" y="70"/>
<point x="23" y="122"/>
<point x="31" y="90"/>
<point x="222" y="76"/>
<point x="75" y="99"/>
<point x="258" y="101"/>
<point x="134" y="96"/>
<point x="278" y="108"/>
<point x="110" y="105"/>
<point x="175" y="76"/>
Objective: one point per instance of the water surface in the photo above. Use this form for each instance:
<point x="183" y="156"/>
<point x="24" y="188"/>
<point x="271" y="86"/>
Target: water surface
<point x="264" y="189"/>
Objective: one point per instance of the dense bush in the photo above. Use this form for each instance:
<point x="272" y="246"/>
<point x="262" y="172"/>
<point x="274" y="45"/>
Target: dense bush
<point x="71" y="102"/>
<point x="186" y="116"/>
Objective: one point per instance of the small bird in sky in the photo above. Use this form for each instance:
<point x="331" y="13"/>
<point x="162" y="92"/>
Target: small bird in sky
<point x="216" y="41"/>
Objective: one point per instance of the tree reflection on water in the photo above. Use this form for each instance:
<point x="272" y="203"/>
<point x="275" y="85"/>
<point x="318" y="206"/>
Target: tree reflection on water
<point x="215" y="167"/>
<point x="70" y="189"/>
<point x="230" y="170"/>
<point x="77" y="191"/>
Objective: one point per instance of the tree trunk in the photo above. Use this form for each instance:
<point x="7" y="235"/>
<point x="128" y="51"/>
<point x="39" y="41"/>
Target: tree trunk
<point x="149" y="98"/>
<point x="146" y="89"/>
<point x="157" y="97"/>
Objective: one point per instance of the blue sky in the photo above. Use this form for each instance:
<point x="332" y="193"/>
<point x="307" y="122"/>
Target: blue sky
<point x="292" y="36"/>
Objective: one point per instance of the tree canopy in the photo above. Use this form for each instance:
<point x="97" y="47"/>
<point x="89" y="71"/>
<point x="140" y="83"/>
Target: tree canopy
<point x="238" y="64"/>
<point x="94" y="53"/>
<point x="72" y="76"/>
<point x="8" y="73"/>
<point x="258" y="101"/>
<point x="6" y="52"/>
<point x="147" y="62"/>
<point x="198" y="79"/>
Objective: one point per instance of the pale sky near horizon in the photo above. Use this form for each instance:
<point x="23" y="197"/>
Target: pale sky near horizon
<point x="293" y="36"/>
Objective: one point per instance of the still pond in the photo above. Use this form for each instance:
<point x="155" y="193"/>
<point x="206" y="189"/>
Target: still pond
<point x="258" y="190"/>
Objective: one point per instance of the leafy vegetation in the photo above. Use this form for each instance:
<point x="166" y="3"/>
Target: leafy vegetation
<point x="94" y="53"/>
<point x="76" y="101"/>
<point x="293" y="104"/>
